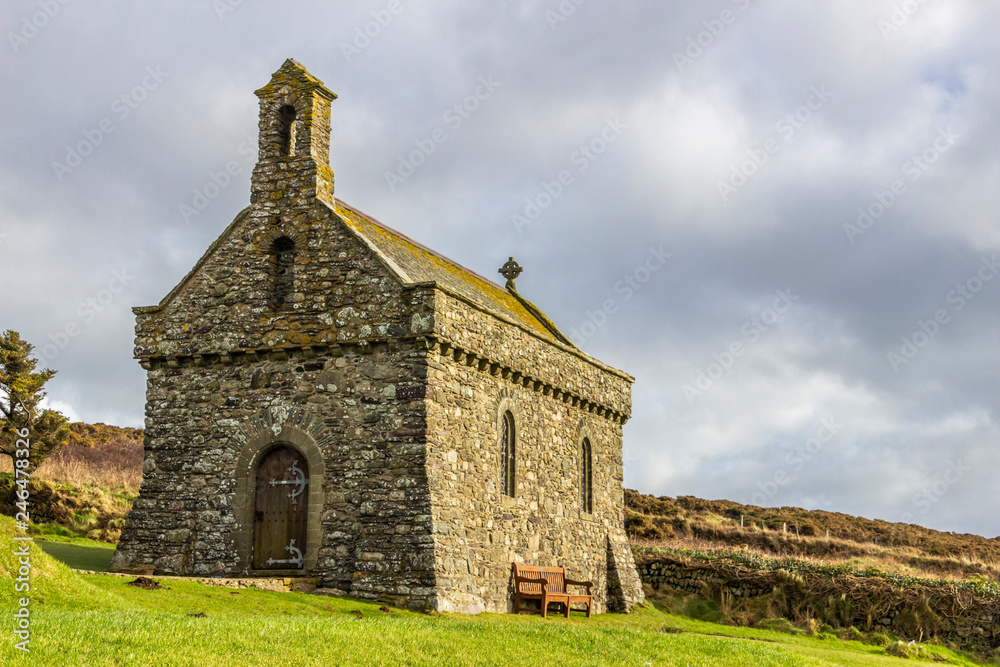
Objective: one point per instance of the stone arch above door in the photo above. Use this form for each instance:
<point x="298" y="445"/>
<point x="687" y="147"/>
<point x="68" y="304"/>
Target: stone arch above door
<point x="270" y="428"/>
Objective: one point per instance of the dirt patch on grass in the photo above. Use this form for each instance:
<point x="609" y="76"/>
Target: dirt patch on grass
<point x="146" y="584"/>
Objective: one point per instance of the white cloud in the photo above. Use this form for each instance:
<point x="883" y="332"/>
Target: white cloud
<point x="65" y="408"/>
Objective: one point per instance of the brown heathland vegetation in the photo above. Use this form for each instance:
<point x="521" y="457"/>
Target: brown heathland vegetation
<point x="97" y="454"/>
<point x="815" y="535"/>
<point x="87" y="487"/>
<point x="817" y="572"/>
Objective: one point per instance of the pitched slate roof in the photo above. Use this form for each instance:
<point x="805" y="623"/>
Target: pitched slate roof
<point x="415" y="263"/>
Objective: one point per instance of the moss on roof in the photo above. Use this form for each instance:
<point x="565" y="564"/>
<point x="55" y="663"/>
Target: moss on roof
<point x="421" y="264"/>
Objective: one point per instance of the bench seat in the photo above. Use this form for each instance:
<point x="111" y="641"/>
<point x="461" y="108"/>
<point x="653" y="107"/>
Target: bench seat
<point x="548" y="585"/>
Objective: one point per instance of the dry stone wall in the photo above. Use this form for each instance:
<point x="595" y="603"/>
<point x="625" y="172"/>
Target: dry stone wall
<point x="662" y="575"/>
<point x="958" y="612"/>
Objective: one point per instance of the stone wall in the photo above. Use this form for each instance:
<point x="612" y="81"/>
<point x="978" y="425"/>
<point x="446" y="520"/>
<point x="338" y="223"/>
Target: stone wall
<point x="557" y="367"/>
<point x="624" y="584"/>
<point x="956" y="612"/>
<point x="373" y="529"/>
<point x="668" y="574"/>
<point x="478" y="531"/>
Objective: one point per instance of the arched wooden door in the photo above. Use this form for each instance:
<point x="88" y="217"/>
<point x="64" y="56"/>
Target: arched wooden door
<point x="280" y="510"/>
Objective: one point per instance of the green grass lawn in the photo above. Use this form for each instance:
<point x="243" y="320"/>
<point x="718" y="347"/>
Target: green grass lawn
<point x="78" y="553"/>
<point x="82" y="619"/>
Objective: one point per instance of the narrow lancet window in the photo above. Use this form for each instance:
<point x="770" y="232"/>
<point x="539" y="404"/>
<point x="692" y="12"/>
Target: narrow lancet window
<point x="286" y="129"/>
<point x="586" y="478"/>
<point x="507" y="454"/>
<point x="284" y="262"/>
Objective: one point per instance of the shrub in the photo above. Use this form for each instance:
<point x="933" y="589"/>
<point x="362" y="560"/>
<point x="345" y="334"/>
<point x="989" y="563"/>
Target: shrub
<point x="878" y="639"/>
<point x="898" y="649"/>
<point x="851" y="634"/>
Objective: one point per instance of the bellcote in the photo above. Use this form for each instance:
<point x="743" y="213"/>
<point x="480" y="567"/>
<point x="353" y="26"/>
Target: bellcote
<point x="294" y="129"/>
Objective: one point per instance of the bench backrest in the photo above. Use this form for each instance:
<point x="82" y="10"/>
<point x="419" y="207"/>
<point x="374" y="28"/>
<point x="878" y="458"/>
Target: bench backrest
<point x="556" y="576"/>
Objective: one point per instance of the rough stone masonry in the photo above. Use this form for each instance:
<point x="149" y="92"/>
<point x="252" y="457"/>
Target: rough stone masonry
<point x="327" y="398"/>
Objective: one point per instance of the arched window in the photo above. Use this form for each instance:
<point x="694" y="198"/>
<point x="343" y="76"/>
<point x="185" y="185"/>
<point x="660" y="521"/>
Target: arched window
<point x="507" y="454"/>
<point x="283" y="253"/>
<point x="586" y="477"/>
<point x="286" y="129"/>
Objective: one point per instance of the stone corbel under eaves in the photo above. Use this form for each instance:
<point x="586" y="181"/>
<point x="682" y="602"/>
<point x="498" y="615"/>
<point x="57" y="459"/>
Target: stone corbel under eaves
<point x="483" y="364"/>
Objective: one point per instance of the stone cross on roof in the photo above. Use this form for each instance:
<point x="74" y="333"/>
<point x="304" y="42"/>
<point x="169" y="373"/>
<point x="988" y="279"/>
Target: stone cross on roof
<point x="511" y="270"/>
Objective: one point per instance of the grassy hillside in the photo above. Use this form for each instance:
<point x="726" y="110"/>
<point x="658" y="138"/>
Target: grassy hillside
<point x="814" y="568"/>
<point x="101" y="620"/>
<point x="95" y="454"/>
<point x="100" y="455"/>
<point x="101" y="435"/>
<point x="69" y="510"/>
<point x="817" y="536"/>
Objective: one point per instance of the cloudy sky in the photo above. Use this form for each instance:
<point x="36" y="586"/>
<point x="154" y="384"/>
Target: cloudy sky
<point x="780" y="217"/>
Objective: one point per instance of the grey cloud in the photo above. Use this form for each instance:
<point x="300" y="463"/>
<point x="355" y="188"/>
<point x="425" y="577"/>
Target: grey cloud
<point x="657" y="185"/>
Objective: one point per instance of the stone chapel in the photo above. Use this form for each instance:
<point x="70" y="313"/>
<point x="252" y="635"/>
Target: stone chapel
<point x="328" y="398"/>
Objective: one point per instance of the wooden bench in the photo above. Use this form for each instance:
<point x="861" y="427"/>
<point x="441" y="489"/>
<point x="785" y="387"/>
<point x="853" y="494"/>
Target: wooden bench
<point x="547" y="584"/>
